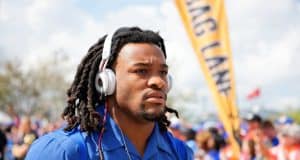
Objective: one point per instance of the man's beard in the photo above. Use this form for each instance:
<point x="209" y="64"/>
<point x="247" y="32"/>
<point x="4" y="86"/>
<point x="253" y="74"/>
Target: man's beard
<point x="152" y="116"/>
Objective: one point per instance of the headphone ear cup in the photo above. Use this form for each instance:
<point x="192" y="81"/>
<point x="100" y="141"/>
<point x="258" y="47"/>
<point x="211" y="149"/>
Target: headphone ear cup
<point x="98" y="84"/>
<point x="108" y="80"/>
<point x="111" y="82"/>
<point x="169" y="82"/>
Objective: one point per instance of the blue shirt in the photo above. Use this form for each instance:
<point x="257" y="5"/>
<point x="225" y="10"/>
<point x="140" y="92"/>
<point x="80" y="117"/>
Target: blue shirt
<point x="214" y="154"/>
<point x="274" y="141"/>
<point x="60" y="145"/>
<point x="193" y="145"/>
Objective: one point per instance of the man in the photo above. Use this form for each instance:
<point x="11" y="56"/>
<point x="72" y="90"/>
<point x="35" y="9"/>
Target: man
<point x="254" y="123"/>
<point x="3" y="142"/>
<point x="249" y="149"/>
<point x="269" y="133"/>
<point x="289" y="146"/>
<point x="23" y="139"/>
<point x="117" y="104"/>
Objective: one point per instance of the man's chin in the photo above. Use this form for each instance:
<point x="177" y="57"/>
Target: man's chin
<point x="153" y="116"/>
<point x="152" y="112"/>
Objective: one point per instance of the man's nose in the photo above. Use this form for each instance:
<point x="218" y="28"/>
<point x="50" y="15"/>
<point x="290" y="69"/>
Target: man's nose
<point x="157" y="82"/>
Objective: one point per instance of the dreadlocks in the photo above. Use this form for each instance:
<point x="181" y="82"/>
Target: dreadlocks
<point x="83" y="98"/>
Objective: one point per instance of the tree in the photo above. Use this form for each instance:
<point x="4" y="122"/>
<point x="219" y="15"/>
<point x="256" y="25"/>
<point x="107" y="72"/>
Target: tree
<point x="35" y="89"/>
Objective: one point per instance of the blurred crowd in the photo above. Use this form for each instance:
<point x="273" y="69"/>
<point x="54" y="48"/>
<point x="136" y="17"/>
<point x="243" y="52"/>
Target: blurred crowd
<point x="17" y="133"/>
<point x="260" y="138"/>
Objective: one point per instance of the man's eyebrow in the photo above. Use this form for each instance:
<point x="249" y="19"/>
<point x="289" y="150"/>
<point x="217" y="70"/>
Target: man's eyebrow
<point x="145" y="64"/>
<point x="165" y="66"/>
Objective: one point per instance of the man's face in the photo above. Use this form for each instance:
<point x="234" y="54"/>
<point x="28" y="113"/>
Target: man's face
<point x="141" y="75"/>
<point x="253" y="125"/>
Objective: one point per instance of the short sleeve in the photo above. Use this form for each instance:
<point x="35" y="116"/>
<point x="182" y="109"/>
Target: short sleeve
<point x="54" y="146"/>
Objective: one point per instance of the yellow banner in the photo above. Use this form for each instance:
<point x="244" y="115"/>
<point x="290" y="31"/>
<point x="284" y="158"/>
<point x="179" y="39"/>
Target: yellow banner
<point x="206" y="24"/>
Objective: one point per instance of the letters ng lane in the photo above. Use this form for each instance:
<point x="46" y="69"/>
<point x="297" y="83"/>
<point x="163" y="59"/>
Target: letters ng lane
<point x="205" y="28"/>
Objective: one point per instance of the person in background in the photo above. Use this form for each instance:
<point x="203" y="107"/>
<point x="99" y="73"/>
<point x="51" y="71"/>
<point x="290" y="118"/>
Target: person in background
<point x="209" y="146"/>
<point x="3" y="142"/>
<point x="24" y="138"/>
<point x="270" y="137"/>
<point x="12" y="113"/>
<point x="248" y="148"/>
<point x="190" y="136"/>
<point x="176" y="128"/>
<point x="264" y="139"/>
<point x="289" y="146"/>
<point x="253" y="124"/>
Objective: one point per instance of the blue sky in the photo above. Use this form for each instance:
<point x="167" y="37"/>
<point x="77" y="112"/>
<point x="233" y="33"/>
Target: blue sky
<point x="264" y="39"/>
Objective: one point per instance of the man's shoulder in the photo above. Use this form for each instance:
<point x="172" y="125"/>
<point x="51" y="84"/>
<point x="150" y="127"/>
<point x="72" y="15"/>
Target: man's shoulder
<point x="57" y="144"/>
<point x="59" y="137"/>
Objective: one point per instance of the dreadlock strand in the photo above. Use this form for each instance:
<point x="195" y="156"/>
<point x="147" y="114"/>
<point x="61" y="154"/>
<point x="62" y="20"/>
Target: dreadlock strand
<point x="89" y="117"/>
<point x="78" y="87"/>
<point x="91" y="100"/>
<point x="92" y="50"/>
<point x="82" y="93"/>
<point x="170" y="110"/>
<point x="71" y="90"/>
<point x="84" y="122"/>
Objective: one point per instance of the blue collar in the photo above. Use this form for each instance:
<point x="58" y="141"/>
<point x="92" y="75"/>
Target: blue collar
<point x="112" y="138"/>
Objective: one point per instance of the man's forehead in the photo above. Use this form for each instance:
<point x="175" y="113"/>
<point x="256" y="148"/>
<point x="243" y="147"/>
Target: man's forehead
<point x="142" y="53"/>
<point x="148" y="60"/>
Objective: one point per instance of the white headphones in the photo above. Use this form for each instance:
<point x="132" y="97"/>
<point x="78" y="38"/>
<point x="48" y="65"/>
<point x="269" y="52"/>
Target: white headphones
<point x="105" y="81"/>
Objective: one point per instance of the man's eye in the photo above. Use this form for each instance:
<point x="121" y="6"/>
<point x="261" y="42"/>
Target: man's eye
<point x="164" y="73"/>
<point x="141" y="71"/>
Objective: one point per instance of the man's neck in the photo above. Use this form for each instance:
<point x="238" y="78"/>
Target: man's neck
<point x="137" y="131"/>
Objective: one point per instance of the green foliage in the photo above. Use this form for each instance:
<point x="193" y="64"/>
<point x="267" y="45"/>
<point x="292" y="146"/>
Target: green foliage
<point x="295" y="114"/>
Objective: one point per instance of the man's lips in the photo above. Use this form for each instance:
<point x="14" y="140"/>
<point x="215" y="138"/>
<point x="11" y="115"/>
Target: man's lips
<point x="156" y="97"/>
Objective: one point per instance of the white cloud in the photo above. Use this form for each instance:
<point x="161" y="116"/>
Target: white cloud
<point x="264" y="37"/>
<point x="271" y="62"/>
<point x="39" y="28"/>
<point x="265" y="46"/>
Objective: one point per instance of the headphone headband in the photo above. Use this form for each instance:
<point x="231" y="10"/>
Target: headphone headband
<point x="106" y="51"/>
<point x="105" y="76"/>
<point x="107" y="46"/>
